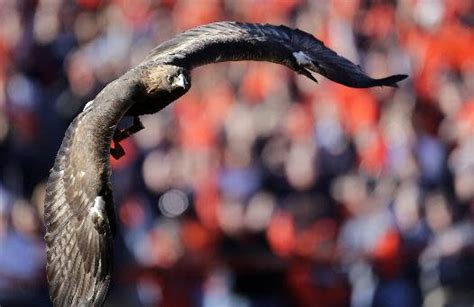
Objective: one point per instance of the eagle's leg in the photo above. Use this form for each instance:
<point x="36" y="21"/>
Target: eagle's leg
<point x="117" y="151"/>
<point x="125" y="133"/>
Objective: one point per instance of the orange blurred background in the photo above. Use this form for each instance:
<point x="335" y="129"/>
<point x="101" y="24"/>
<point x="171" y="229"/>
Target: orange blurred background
<point x="258" y="187"/>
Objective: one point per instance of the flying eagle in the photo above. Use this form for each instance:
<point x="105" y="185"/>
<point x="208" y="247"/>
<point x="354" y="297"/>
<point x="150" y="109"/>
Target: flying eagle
<point x="79" y="213"/>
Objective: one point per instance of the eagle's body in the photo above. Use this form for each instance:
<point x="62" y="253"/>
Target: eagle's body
<point x="79" y="211"/>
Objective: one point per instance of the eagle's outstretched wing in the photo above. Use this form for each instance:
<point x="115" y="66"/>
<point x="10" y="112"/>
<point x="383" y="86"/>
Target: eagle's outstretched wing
<point x="234" y="41"/>
<point x="79" y="214"/>
<point x="78" y="207"/>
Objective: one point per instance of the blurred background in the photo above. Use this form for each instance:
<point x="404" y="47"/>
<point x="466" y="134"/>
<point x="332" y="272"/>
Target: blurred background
<point x="257" y="188"/>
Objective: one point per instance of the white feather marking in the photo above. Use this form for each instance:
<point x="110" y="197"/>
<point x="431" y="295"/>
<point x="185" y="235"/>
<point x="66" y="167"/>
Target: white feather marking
<point x="302" y="58"/>
<point x="98" y="207"/>
<point x="82" y="174"/>
<point x="88" y="105"/>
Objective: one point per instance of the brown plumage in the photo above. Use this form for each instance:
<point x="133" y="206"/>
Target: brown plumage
<point x="79" y="212"/>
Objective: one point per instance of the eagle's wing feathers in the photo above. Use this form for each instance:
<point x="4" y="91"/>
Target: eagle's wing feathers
<point x="234" y="41"/>
<point x="78" y="232"/>
<point x="78" y="213"/>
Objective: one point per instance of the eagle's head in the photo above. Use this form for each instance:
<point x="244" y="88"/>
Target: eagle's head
<point x="162" y="85"/>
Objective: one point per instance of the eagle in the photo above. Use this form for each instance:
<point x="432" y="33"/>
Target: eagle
<point x="79" y="212"/>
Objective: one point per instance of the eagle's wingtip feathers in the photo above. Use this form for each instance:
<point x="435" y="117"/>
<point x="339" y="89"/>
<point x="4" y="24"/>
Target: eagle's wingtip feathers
<point x="391" y="80"/>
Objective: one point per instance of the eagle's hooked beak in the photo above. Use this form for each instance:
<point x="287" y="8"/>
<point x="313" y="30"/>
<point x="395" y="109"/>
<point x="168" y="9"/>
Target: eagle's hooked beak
<point x="180" y="81"/>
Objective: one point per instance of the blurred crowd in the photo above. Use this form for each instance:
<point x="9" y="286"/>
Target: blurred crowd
<point x="259" y="187"/>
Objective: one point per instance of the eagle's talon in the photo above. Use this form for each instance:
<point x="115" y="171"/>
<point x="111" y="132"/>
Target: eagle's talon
<point x="117" y="151"/>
